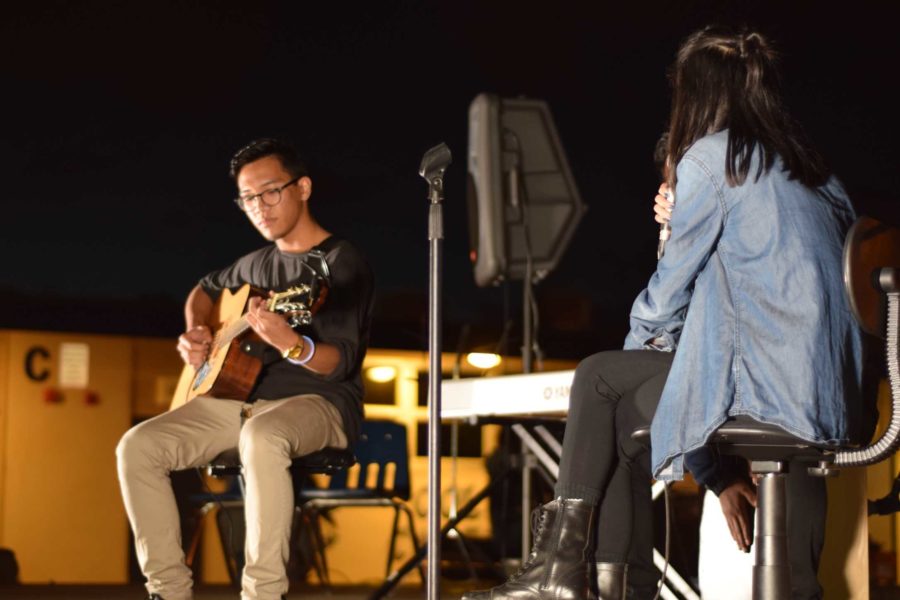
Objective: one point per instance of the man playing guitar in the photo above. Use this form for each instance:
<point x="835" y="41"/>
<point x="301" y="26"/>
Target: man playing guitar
<point x="307" y="396"/>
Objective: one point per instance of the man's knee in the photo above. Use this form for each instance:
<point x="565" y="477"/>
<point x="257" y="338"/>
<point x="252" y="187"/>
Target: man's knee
<point x="135" y="447"/>
<point x="258" y="442"/>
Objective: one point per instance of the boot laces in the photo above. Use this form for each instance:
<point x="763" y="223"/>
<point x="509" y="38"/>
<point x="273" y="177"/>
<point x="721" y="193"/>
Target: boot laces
<point x="538" y="522"/>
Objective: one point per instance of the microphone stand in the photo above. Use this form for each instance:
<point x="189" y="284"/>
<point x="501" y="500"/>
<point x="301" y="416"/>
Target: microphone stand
<point x="434" y="163"/>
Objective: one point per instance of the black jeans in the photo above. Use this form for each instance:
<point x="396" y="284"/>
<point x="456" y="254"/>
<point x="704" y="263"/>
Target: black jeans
<point x="613" y="394"/>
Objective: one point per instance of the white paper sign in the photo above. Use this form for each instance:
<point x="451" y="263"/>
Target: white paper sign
<point x="74" y="365"/>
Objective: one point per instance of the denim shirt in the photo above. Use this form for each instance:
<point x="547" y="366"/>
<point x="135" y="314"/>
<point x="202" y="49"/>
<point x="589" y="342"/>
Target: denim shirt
<point x="750" y="293"/>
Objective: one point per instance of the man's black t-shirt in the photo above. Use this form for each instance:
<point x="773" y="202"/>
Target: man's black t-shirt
<point x="342" y="321"/>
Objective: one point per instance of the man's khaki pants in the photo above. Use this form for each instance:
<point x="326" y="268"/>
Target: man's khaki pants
<point x="192" y="435"/>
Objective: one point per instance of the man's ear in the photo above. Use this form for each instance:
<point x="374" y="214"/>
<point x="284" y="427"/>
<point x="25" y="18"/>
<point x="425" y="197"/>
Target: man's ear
<point x="304" y="184"/>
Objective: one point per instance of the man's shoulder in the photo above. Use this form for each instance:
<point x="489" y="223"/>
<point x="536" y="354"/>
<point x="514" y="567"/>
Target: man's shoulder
<point x="246" y="269"/>
<point x="257" y="256"/>
<point x="335" y="241"/>
<point x="346" y="260"/>
<point x="339" y="249"/>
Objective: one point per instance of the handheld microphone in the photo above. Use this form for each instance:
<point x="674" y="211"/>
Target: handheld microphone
<point x="665" y="231"/>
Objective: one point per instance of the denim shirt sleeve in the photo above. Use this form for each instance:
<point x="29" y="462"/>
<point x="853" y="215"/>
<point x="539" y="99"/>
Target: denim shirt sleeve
<point x="714" y="471"/>
<point x="658" y="313"/>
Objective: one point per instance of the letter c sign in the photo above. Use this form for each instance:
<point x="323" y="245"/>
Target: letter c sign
<point x="33" y="372"/>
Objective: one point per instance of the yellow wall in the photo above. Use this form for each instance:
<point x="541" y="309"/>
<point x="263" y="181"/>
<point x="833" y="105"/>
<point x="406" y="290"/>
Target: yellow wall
<point x="156" y="369"/>
<point x="884" y="530"/>
<point x="4" y="423"/>
<point x="60" y="509"/>
<point x="844" y="566"/>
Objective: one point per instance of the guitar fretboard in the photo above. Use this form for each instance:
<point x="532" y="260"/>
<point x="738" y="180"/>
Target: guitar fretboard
<point x="224" y="336"/>
<point x="227" y="333"/>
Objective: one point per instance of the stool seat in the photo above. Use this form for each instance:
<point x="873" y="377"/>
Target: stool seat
<point x="326" y="461"/>
<point x="756" y="441"/>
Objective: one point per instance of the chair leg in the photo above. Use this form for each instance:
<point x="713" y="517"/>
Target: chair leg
<point x="198" y="534"/>
<point x="303" y="521"/>
<point x="393" y="546"/>
<point x="415" y="539"/>
<point x="226" y="539"/>
<point x="320" y="544"/>
<point x="771" y="573"/>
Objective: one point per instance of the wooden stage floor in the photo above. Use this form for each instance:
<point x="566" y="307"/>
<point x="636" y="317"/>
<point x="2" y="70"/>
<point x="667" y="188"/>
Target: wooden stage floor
<point x="449" y="590"/>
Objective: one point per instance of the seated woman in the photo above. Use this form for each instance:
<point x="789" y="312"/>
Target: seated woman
<point x="749" y="291"/>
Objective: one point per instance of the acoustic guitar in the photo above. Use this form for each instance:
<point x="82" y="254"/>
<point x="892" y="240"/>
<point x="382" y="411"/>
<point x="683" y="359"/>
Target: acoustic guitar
<point x="231" y="370"/>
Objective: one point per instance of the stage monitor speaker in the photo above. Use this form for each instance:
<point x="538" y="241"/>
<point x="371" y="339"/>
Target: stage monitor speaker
<point x="522" y="198"/>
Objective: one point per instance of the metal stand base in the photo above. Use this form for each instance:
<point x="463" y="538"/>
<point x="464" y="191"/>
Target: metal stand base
<point x="391" y="582"/>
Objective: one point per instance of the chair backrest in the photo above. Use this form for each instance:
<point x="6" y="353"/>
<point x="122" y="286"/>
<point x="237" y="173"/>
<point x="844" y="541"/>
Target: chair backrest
<point x="871" y="268"/>
<point x="381" y="444"/>
<point x="869" y="247"/>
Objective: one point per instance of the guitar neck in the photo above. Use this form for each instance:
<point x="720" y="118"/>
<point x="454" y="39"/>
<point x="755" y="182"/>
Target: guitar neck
<point x="225" y="335"/>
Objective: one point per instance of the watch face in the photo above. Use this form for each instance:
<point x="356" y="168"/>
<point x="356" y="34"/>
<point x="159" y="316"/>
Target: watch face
<point x="295" y="351"/>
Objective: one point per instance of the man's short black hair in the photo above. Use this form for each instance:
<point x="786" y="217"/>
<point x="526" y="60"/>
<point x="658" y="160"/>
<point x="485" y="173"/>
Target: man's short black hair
<point x="257" y="149"/>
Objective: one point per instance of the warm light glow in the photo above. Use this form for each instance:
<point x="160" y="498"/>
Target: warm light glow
<point x="381" y="374"/>
<point x="483" y="360"/>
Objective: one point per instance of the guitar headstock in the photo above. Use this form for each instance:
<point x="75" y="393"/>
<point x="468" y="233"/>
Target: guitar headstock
<point x="296" y="302"/>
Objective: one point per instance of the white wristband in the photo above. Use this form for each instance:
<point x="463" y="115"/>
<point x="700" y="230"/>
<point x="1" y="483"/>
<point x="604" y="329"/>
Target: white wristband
<point x="307" y="343"/>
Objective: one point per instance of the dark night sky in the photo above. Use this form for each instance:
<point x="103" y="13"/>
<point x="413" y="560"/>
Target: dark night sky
<point x="121" y="117"/>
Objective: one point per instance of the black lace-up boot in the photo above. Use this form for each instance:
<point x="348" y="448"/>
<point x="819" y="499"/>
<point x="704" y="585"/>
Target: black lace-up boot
<point x="556" y="568"/>
<point x="608" y="581"/>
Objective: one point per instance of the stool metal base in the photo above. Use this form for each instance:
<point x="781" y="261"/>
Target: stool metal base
<point x="771" y="573"/>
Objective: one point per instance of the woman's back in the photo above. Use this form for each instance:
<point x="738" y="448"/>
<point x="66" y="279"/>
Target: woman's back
<point x="750" y="293"/>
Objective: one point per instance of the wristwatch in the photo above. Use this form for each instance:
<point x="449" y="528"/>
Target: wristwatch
<point x="295" y="351"/>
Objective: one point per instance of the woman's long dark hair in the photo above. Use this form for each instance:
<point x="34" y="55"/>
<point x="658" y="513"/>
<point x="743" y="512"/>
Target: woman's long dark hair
<point x="727" y="80"/>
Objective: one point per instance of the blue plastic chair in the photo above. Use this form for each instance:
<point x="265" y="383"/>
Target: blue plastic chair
<point x="381" y="444"/>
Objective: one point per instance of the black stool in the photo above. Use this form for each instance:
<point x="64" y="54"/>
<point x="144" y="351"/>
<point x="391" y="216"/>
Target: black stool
<point x="769" y="450"/>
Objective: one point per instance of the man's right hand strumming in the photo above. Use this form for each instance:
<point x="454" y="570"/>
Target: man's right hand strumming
<point x="193" y="345"/>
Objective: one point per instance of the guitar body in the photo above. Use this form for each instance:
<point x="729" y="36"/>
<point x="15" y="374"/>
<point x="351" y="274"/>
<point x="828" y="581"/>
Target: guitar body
<point x="229" y="372"/>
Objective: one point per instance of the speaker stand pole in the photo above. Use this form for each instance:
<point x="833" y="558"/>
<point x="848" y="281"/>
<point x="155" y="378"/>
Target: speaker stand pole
<point x="528" y="459"/>
<point x="527" y="319"/>
<point x="434" y="163"/>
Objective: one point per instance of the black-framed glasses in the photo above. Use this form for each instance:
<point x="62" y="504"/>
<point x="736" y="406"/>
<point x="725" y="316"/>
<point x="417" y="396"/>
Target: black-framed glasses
<point x="268" y="197"/>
